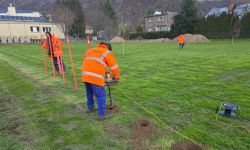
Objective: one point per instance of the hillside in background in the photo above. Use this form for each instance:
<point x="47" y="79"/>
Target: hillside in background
<point x="130" y="12"/>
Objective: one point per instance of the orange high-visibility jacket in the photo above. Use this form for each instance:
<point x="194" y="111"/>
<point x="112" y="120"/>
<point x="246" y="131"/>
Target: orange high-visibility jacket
<point x="181" y="39"/>
<point x="57" y="50"/>
<point x="95" y="63"/>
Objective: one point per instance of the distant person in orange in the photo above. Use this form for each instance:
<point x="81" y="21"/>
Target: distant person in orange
<point x="181" y="40"/>
<point x="95" y="63"/>
<point x="56" y="50"/>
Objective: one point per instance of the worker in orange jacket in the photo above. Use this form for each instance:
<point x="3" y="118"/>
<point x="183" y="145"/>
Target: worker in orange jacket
<point x="181" y="40"/>
<point x="55" y="44"/>
<point x="95" y="63"/>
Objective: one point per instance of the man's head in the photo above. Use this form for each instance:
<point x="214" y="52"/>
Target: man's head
<point x="48" y="34"/>
<point x="106" y="44"/>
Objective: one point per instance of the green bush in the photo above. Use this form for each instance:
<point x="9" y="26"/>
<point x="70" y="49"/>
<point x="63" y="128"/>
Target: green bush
<point x="150" y="35"/>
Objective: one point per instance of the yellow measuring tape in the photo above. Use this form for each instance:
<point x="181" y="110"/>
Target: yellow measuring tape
<point x="161" y="120"/>
<point x="229" y="124"/>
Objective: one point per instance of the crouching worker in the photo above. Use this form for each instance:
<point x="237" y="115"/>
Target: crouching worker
<point x="95" y="63"/>
<point x="181" y="40"/>
<point x="55" y="44"/>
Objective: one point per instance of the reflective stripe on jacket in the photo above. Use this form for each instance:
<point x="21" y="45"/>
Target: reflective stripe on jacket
<point x="95" y="63"/>
<point x="57" y="51"/>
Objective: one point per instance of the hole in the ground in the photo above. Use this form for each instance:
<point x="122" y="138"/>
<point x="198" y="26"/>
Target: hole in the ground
<point x="144" y="123"/>
<point x="143" y="127"/>
<point x="111" y="109"/>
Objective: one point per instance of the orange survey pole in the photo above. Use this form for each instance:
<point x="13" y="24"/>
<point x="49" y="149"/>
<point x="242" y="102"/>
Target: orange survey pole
<point x="88" y="41"/>
<point x="52" y="57"/>
<point x="44" y="58"/>
<point x="56" y="52"/>
<point x="60" y="58"/>
<point x="71" y="61"/>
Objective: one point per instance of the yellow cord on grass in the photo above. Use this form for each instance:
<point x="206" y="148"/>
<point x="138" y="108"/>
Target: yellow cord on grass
<point x="160" y="120"/>
<point x="229" y="124"/>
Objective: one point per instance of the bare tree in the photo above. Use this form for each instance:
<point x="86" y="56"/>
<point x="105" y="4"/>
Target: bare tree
<point x="65" y="18"/>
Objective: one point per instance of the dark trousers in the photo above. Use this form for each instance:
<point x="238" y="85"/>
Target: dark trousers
<point x="182" y="45"/>
<point x="100" y="94"/>
<point x="56" y="64"/>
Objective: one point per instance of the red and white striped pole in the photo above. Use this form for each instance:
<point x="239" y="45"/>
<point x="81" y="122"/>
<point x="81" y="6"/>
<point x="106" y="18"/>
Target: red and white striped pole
<point x="72" y="64"/>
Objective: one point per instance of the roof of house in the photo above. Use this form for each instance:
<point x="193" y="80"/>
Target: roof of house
<point x="162" y="14"/>
<point x="20" y="11"/>
<point x="89" y="28"/>
<point x="238" y="9"/>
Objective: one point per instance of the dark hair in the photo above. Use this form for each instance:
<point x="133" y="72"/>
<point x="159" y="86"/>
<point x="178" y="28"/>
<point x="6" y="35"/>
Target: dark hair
<point x="49" y="34"/>
<point x="107" y="44"/>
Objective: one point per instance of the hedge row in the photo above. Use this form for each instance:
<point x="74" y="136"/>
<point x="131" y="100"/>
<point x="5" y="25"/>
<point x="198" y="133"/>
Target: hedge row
<point x="150" y="35"/>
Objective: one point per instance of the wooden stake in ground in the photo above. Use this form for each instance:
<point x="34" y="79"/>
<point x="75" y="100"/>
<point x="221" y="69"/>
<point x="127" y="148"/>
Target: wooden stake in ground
<point x="123" y="48"/>
<point x="44" y="58"/>
<point x="71" y="62"/>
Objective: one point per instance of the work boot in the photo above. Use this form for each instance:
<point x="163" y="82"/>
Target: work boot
<point x="107" y="116"/>
<point x="91" y="110"/>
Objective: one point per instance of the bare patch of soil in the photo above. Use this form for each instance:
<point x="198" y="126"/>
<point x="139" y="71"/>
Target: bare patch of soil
<point x="187" y="146"/>
<point x="117" y="39"/>
<point x="27" y="139"/>
<point x="189" y="38"/>
<point x="138" y="145"/>
<point x="12" y="126"/>
<point x="143" y="127"/>
<point x="112" y="110"/>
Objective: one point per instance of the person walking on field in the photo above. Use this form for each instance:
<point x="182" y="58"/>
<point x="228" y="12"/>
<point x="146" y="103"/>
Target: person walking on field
<point x="95" y="63"/>
<point x="181" y="40"/>
<point x="55" y="44"/>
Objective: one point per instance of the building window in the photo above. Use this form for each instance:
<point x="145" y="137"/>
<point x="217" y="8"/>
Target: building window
<point x="150" y="29"/>
<point x="161" y="18"/>
<point x="161" y="28"/>
<point x="169" y="28"/>
<point x="150" y="19"/>
<point x="34" y="29"/>
<point x="46" y="29"/>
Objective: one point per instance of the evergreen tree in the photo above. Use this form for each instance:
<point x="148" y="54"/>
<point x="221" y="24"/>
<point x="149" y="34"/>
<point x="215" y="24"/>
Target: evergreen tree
<point x="185" y="19"/>
<point x="210" y="26"/>
<point x="235" y="26"/>
<point x="46" y="16"/>
<point x="78" y="26"/>
<point x="79" y="22"/>
<point x="139" y="28"/>
<point x="107" y="9"/>
<point x="245" y="26"/>
<point x="149" y="11"/>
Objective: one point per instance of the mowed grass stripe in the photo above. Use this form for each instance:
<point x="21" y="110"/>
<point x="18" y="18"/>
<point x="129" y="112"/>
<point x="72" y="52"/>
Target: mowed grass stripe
<point x="182" y="87"/>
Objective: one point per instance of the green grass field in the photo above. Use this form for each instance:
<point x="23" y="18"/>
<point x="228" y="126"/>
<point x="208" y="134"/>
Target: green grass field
<point x="182" y="87"/>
